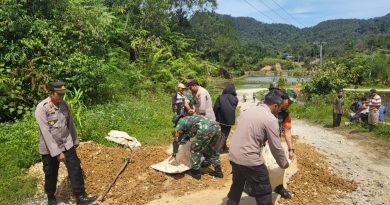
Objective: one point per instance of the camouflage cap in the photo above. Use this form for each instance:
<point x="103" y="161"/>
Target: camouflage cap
<point x="292" y="95"/>
<point x="176" y="119"/>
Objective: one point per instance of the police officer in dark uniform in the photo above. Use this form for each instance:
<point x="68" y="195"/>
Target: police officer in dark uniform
<point x="57" y="143"/>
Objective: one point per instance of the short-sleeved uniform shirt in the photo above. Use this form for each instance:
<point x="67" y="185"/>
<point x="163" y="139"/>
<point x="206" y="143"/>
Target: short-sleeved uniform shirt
<point x="57" y="129"/>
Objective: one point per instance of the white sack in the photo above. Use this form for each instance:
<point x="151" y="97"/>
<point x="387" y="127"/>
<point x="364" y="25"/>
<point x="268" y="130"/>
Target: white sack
<point x="124" y="139"/>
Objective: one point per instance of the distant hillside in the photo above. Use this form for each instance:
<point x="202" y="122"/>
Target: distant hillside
<point x="274" y="35"/>
<point x="335" y="32"/>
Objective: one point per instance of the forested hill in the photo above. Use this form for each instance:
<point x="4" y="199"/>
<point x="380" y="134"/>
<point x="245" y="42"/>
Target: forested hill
<point x="334" y="32"/>
<point x="274" y="35"/>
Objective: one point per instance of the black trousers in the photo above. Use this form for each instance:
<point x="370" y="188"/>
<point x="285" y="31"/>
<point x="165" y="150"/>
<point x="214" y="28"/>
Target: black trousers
<point x="75" y="173"/>
<point x="256" y="177"/>
<point x="336" y="119"/>
<point x="225" y="131"/>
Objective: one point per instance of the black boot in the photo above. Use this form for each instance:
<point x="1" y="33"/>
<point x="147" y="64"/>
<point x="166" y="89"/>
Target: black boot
<point x="282" y="191"/>
<point x="84" y="199"/>
<point x="206" y="163"/>
<point x="195" y="174"/>
<point x="218" y="172"/>
<point x="51" y="200"/>
<point x="225" y="149"/>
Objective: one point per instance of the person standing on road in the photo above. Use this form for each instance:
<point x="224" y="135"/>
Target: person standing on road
<point x="374" y="104"/>
<point x="57" y="143"/>
<point x="203" y="103"/>
<point x="338" y="104"/>
<point x="207" y="136"/>
<point x="244" y="97"/>
<point x="256" y="126"/>
<point x="225" y="112"/>
<point x="254" y="97"/>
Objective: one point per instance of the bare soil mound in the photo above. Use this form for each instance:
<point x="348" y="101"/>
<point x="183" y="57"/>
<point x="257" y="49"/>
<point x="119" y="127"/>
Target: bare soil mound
<point x="138" y="184"/>
<point x="315" y="182"/>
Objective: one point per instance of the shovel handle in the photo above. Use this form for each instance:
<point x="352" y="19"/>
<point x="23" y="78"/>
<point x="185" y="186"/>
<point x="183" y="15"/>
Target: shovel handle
<point x="127" y="160"/>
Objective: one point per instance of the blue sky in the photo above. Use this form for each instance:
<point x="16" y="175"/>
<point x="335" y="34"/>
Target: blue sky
<point x="304" y="13"/>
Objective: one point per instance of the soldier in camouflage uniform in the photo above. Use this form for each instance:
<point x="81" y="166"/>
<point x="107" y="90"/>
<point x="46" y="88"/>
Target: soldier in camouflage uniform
<point x="206" y="134"/>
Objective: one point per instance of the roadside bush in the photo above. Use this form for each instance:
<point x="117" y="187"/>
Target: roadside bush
<point x="282" y="81"/>
<point x="327" y="79"/>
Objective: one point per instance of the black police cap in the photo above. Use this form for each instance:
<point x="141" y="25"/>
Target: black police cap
<point x="58" y="87"/>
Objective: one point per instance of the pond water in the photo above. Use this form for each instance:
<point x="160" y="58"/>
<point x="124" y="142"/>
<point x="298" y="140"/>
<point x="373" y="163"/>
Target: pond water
<point x="275" y="79"/>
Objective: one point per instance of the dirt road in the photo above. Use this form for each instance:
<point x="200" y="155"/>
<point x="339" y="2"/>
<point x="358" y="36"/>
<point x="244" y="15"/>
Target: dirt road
<point x="334" y="168"/>
<point x="353" y="156"/>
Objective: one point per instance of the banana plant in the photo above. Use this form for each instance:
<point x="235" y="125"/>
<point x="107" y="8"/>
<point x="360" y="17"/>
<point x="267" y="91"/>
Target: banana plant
<point x="77" y="106"/>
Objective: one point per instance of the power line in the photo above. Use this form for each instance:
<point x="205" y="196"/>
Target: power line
<point x="275" y="12"/>
<point x="258" y="10"/>
<point x="288" y="13"/>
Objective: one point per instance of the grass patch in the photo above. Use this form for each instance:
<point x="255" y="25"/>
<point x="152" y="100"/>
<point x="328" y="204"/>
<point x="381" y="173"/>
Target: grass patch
<point x="146" y="118"/>
<point x="18" y="150"/>
<point x="383" y="131"/>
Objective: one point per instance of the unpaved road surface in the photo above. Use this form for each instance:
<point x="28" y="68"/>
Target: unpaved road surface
<point x="350" y="168"/>
<point x="355" y="156"/>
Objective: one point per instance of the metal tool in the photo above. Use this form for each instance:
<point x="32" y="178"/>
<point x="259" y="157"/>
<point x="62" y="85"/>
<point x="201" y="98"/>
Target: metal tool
<point x="127" y="161"/>
<point x="172" y="161"/>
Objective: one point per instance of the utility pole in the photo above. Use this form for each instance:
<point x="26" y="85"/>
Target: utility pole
<point x="321" y="43"/>
<point x="372" y="60"/>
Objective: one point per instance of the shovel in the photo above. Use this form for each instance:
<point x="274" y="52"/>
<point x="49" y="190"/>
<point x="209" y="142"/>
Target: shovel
<point x="172" y="161"/>
<point x="127" y="161"/>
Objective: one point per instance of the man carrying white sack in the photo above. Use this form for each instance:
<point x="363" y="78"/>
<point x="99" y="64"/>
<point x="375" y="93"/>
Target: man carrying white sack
<point x="256" y="126"/>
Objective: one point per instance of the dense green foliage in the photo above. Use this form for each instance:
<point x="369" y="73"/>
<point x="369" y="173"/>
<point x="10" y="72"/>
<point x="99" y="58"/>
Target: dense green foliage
<point x="354" y="69"/>
<point x="103" y="47"/>
<point x="107" y="47"/>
